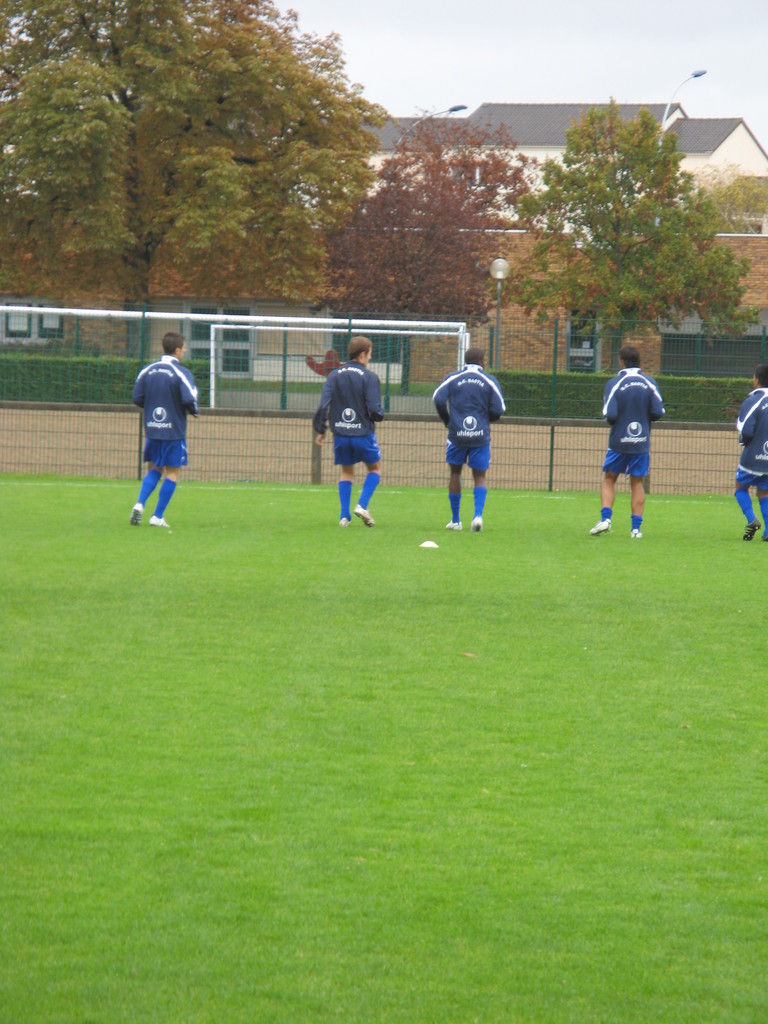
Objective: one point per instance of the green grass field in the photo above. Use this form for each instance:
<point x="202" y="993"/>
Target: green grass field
<point x="262" y="769"/>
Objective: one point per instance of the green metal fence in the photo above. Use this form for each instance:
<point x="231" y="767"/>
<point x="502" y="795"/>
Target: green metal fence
<point x="66" y="378"/>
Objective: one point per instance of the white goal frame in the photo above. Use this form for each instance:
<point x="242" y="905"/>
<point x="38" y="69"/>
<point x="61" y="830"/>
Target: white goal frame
<point x="334" y="326"/>
<point x="217" y="321"/>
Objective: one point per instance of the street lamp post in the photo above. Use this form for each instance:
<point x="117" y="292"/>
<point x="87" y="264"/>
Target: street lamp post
<point x="499" y="270"/>
<point x="426" y="117"/>
<point x="693" y="74"/>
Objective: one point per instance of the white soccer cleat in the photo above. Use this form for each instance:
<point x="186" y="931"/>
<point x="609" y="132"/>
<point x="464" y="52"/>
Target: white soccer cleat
<point x="365" y="515"/>
<point x="477" y="524"/>
<point x="603" y="526"/>
<point x="343" y="521"/>
<point x="158" y="521"/>
<point x="636" y="534"/>
<point x="453" y="526"/>
<point x="136" y="513"/>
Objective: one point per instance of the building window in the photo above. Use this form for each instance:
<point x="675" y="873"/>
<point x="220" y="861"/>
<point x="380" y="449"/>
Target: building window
<point x="235" y="359"/>
<point x="234" y="344"/>
<point x="18" y="325"/>
<point x="49" y="326"/>
<point x="200" y="332"/>
<point x="241" y="334"/>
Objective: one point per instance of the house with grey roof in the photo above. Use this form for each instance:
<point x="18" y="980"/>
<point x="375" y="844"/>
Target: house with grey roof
<point x="709" y="144"/>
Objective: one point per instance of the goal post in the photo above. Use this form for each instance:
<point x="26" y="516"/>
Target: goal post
<point x="263" y="362"/>
<point x="283" y="351"/>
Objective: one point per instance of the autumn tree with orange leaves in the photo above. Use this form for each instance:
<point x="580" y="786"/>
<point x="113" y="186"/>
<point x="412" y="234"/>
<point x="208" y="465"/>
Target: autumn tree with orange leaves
<point x="165" y="145"/>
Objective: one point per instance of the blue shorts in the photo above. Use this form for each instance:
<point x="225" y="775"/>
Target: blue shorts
<point x="349" y="450"/>
<point x="620" y="462"/>
<point x="165" y="453"/>
<point x="476" y="458"/>
<point x="746" y="479"/>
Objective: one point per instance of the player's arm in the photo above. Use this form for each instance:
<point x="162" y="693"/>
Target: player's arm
<point x="372" y="397"/>
<point x="320" y="419"/>
<point x="747" y="422"/>
<point x="610" y="405"/>
<point x="747" y="432"/>
<point x="497" y="405"/>
<point x="189" y="393"/>
<point x="440" y="398"/>
<point x="190" y="405"/>
<point x="657" y="405"/>
<point x="138" y="392"/>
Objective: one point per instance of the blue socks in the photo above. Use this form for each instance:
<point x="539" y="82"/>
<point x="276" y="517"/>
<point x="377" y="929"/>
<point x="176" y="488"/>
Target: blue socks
<point x="764" y="511"/>
<point x="744" y="500"/>
<point x="148" y="484"/>
<point x="345" y="497"/>
<point x="637" y="522"/>
<point x="165" y="495"/>
<point x="480" y="494"/>
<point x="369" y="486"/>
<point x="605" y="513"/>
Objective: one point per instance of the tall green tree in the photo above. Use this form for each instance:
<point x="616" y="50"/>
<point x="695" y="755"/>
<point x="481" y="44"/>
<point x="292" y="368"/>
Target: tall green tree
<point x="741" y="201"/>
<point x="421" y="241"/>
<point x="152" y="146"/>
<point x="623" y="234"/>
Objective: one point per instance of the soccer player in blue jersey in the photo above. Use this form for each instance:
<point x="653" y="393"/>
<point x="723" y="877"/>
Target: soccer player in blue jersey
<point x="166" y="391"/>
<point x="351" y="402"/>
<point x="752" y="471"/>
<point x="631" y="402"/>
<point x="468" y="401"/>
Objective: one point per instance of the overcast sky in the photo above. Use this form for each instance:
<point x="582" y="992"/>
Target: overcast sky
<point x="422" y="56"/>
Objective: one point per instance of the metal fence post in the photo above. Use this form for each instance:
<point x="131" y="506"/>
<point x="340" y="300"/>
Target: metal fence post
<point x="554" y="405"/>
<point x="386" y="378"/>
<point x="316" y="464"/>
<point x="284" y="383"/>
<point x="140" y="417"/>
<point x="143" y="335"/>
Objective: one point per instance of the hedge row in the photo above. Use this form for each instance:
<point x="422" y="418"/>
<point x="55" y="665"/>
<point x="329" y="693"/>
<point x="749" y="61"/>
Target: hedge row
<point x="580" y="396"/>
<point x="104" y="380"/>
<point x="83" y="380"/>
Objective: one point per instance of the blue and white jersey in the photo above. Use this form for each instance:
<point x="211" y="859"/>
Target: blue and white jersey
<point x="752" y="426"/>
<point x="350" y="401"/>
<point x="631" y="402"/>
<point x="468" y="401"/>
<point x="166" y="391"/>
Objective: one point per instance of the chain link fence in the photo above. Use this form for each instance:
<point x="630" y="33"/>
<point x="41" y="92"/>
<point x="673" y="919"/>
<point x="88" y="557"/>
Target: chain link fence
<point x="66" y="378"/>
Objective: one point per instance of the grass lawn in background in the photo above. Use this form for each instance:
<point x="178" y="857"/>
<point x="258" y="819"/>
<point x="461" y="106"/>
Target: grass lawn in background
<point x="264" y="769"/>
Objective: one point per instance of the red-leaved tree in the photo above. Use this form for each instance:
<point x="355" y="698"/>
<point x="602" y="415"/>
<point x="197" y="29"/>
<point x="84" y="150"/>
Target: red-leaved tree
<point x="421" y="241"/>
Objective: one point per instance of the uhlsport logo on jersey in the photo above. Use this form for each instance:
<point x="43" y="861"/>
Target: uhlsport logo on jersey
<point x="160" y="419"/>
<point x="634" y="434"/>
<point x="349" y="420"/>
<point x="469" y="428"/>
<point x="763" y="456"/>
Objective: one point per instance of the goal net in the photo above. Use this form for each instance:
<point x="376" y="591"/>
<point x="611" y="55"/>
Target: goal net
<point x="285" y="355"/>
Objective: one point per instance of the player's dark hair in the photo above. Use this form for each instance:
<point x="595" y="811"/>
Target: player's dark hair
<point x="358" y="345"/>
<point x="761" y="373"/>
<point x="171" y="341"/>
<point x="629" y="355"/>
<point x="475" y="355"/>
